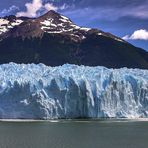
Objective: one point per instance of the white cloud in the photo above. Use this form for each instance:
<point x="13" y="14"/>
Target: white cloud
<point x="49" y="6"/>
<point x="141" y="34"/>
<point x="35" y="6"/>
<point x="64" y="6"/>
<point x="32" y="9"/>
<point x="126" y="37"/>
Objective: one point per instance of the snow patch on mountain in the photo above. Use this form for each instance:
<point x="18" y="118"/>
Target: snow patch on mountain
<point x="70" y="91"/>
<point x="6" y="25"/>
<point x="62" y="25"/>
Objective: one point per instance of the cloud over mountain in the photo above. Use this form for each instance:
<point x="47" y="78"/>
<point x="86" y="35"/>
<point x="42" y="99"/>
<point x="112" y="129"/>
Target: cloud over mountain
<point x="141" y="34"/>
<point x="34" y="7"/>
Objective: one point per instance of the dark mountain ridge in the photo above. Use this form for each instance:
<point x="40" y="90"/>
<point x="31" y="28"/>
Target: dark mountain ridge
<point x="54" y="39"/>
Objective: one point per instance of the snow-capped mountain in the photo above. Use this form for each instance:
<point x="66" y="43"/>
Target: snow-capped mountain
<point x="51" y="23"/>
<point x="54" y="39"/>
<point x="70" y="91"/>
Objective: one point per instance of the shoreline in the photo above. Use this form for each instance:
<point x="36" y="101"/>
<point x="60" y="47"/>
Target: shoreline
<point x="78" y="120"/>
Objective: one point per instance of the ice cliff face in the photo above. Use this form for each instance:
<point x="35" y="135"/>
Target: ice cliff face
<point x="69" y="91"/>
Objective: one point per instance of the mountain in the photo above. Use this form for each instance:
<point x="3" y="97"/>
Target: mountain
<point x="54" y="39"/>
<point x="70" y="91"/>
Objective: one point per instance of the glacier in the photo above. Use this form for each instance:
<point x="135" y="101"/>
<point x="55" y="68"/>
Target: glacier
<point x="30" y="91"/>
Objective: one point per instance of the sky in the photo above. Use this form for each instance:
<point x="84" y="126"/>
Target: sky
<point x="127" y="19"/>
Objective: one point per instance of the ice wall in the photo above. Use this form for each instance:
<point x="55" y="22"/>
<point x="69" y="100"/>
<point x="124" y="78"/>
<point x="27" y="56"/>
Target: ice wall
<point x="70" y="91"/>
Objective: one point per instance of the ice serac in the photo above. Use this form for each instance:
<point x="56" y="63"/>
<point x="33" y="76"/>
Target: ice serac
<point x="70" y="91"/>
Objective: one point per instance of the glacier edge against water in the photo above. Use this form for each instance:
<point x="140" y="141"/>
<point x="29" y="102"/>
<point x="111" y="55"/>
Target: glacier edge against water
<point x="69" y="91"/>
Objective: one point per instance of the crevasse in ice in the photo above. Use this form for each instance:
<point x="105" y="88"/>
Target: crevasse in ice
<point x="69" y="91"/>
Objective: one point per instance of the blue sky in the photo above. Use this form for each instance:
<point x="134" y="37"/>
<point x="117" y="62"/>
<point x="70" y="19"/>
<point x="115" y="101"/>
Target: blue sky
<point x="124" y="18"/>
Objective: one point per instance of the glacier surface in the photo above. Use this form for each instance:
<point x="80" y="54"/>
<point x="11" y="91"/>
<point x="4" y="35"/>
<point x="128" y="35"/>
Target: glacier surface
<point x="69" y="91"/>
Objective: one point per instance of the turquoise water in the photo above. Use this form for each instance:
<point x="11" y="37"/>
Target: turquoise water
<point x="74" y="134"/>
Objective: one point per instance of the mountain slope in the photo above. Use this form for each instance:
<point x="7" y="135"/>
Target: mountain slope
<point x="54" y="40"/>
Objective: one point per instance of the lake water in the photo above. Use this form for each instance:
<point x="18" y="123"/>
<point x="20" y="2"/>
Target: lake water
<point x="74" y="134"/>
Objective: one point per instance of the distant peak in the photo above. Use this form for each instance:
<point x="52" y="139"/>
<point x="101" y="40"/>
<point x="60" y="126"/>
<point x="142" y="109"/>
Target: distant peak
<point x="50" y="13"/>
